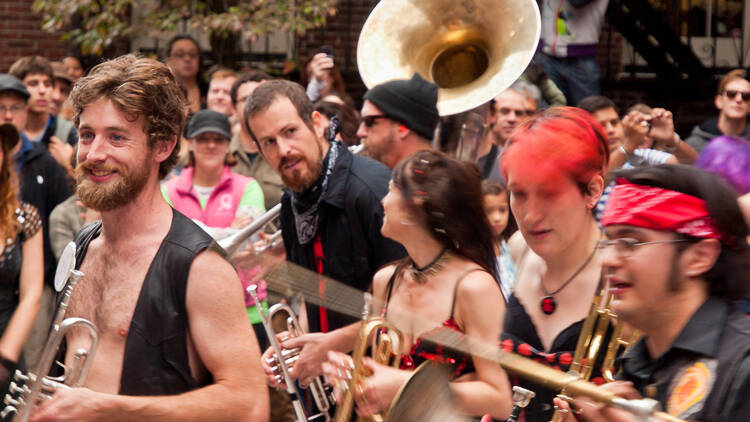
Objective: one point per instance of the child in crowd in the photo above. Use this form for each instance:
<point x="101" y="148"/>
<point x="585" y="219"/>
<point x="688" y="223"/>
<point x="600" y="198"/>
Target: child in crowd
<point x="497" y="208"/>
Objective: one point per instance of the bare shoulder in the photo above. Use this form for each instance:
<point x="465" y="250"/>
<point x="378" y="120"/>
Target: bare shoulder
<point x="213" y="285"/>
<point x="380" y="280"/>
<point x="517" y="245"/>
<point x="479" y="303"/>
<point x="211" y="269"/>
<point x="478" y="285"/>
<point x="217" y="318"/>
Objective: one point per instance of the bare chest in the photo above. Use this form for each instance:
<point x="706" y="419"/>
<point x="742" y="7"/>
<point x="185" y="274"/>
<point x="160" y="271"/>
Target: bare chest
<point x="108" y="293"/>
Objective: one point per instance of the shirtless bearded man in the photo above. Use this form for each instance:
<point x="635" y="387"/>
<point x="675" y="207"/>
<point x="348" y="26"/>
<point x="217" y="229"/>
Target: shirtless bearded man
<point x="168" y="307"/>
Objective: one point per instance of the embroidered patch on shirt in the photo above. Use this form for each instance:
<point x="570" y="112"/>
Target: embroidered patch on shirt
<point x="691" y="387"/>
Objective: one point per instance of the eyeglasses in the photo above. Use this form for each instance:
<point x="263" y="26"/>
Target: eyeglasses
<point x="732" y="94"/>
<point x="625" y="246"/>
<point x="14" y="109"/>
<point x="183" y="54"/>
<point x="370" y="120"/>
<point x="520" y="113"/>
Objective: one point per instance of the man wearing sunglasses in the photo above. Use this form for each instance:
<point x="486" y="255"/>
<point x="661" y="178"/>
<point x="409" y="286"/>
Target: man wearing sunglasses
<point x="733" y="101"/>
<point x="399" y="118"/>
<point x="676" y="259"/>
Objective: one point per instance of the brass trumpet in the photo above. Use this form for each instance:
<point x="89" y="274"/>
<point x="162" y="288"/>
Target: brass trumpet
<point x="284" y="359"/>
<point x="386" y="350"/>
<point x="591" y="344"/>
<point x="26" y="390"/>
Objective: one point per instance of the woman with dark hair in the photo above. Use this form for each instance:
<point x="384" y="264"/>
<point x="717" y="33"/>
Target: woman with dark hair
<point x="434" y="209"/>
<point x="348" y="119"/>
<point x="184" y="60"/>
<point x="21" y="262"/>
<point x="553" y="166"/>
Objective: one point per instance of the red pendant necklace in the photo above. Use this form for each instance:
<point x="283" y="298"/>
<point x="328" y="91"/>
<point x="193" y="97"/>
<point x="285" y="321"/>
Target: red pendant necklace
<point x="548" y="302"/>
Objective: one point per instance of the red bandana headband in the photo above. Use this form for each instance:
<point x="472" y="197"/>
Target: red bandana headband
<point x="658" y="209"/>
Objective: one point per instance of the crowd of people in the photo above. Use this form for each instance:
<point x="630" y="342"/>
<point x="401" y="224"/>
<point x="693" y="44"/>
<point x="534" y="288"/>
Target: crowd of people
<point x="145" y="166"/>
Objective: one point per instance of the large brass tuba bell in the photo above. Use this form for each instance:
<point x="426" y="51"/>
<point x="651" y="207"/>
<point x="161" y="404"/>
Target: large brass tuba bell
<point x="472" y="49"/>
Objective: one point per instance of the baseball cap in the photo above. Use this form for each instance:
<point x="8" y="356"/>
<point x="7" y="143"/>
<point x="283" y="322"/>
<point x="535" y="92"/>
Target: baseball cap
<point x="58" y="69"/>
<point x="9" y="82"/>
<point x="209" y="121"/>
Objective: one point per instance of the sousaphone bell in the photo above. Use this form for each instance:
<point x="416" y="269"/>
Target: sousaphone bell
<point x="471" y="49"/>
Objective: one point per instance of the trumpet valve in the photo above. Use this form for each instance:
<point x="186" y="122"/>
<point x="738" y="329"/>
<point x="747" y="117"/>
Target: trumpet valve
<point x="7" y="411"/>
<point x="13" y="388"/>
<point x="20" y="376"/>
<point x="10" y="401"/>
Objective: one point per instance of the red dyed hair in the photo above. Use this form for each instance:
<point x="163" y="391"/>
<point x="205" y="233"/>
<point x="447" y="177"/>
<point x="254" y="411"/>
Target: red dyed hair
<point x="561" y="141"/>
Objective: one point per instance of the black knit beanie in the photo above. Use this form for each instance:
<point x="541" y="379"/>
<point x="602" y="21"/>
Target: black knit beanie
<point x="412" y="102"/>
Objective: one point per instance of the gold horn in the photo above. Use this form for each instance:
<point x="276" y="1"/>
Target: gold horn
<point x="591" y="347"/>
<point x="472" y="49"/>
<point x="385" y="350"/>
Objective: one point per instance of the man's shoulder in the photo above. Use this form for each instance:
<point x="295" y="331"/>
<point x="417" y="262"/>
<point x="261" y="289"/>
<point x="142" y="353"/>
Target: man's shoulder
<point x="185" y="234"/>
<point x="368" y="174"/>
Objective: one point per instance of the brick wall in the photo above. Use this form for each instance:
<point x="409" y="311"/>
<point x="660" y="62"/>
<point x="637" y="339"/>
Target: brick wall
<point x="21" y="34"/>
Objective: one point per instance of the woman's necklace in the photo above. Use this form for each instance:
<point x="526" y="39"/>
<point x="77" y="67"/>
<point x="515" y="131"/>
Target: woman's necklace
<point x="421" y="274"/>
<point x="548" y="302"/>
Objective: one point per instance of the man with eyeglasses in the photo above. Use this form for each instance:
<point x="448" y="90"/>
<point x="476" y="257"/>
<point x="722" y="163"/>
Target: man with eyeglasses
<point x="733" y="102"/>
<point x="399" y="118"/>
<point x="507" y="110"/>
<point x="676" y="260"/>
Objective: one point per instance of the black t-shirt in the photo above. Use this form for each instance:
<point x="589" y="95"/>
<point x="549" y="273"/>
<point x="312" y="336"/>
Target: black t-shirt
<point x="710" y="355"/>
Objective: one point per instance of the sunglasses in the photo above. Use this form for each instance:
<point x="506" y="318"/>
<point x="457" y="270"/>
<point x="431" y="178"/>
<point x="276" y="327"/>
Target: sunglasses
<point x="370" y="120"/>
<point x="732" y="94"/>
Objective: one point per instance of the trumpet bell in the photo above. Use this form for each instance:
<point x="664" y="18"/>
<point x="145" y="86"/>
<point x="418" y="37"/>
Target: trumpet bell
<point x="471" y="49"/>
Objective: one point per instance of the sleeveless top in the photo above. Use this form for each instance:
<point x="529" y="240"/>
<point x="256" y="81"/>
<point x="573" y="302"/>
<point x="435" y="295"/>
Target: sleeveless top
<point x="423" y="350"/>
<point x="520" y="336"/>
<point x="156" y="356"/>
<point x="29" y="223"/>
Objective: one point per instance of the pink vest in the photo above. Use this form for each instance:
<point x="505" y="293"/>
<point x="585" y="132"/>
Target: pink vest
<point x="221" y="206"/>
<point x="220" y="210"/>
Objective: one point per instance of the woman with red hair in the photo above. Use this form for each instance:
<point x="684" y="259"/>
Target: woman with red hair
<point x="554" y="168"/>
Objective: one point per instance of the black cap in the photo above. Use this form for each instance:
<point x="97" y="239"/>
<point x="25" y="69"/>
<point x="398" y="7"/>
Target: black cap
<point x="412" y="102"/>
<point x="208" y="121"/>
<point x="11" y="83"/>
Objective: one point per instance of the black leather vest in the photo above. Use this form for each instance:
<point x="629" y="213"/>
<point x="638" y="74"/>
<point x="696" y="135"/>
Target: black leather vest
<point x="156" y="356"/>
